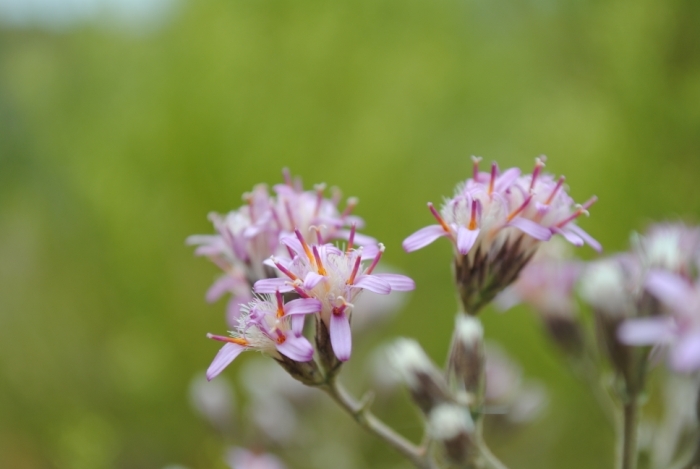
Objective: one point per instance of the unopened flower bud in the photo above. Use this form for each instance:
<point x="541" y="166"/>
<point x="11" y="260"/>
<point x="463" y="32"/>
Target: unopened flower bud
<point x="425" y="382"/>
<point x="452" y="428"/>
<point x="465" y="366"/>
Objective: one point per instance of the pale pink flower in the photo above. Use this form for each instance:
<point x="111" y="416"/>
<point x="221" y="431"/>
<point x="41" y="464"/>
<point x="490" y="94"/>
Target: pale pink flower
<point x="269" y="325"/>
<point x="335" y="278"/>
<point x="490" y="208"/>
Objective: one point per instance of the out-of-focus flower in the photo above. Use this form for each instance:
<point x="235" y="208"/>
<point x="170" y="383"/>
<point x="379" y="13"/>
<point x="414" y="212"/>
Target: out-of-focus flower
<point x="547" y="285"/>
<point x="452" y="428"/>
<point x="465" y="363"/>
<point x="495" y="222"/>
<point x="333" y="277"/>
<point x="680" y="330"/>
<point x="249" y="235"/>
<point x="269" y="325"/>
<point x="239" y="458"/>
<point x="213" y="400"/>
<point x="673" y="247"/>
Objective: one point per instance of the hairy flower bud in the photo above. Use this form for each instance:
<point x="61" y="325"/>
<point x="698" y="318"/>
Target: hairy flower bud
<point x="465" y="365"/>
<point x="425" y="382"/>
<point x="452" y="428"/>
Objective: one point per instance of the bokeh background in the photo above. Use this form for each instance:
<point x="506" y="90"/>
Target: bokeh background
<point x="122" y="124"/>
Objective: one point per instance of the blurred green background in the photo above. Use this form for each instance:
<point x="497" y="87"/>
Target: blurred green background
<point x="117" y="139"/>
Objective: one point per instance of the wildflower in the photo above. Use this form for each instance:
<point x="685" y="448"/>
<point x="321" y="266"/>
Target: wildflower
<point x="249" y="235"/>
<point x="335" y="278"/>
<point x="465" y="363"/>
<point x="496" y="221"/>
<point x="269" y="325"/>
<point x="680" y="331"/>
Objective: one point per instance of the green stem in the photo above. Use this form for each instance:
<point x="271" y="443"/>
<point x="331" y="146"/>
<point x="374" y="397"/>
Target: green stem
<point x="630" y="421"/>
<point x="360" y="412"/>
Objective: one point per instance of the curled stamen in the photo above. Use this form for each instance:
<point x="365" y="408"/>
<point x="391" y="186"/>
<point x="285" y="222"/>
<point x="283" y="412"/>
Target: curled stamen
<point x="376" y="259"/>
<point x="297" y="287"/>
<point x="476" y="160"/>
<point x="344" y="305"/>
<point x="317" y="230"/>
<point x="351" y="204"/>
<point x="319" y="265"/>
<point x="233" y="340"/>
<point x="580" y="210"/>
<point x="539" y="164"/>
<point x="320" y="188"/>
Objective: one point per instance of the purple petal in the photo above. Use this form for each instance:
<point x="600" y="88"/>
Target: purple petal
<point x="370" y="251"/>
<point x="505" y="180"/>
<point x="466" y="239"/>
<point x="302" y="306"/>
<point x="219" y="288"/>
<point x="373" y="283"/>
<point x="209" y="250"/>
<point x="398" y="282"/>
<point x="531" y="228"/>
<point x="646" y="331"/>
<point x="296" y="348"/>
<point x="293" y="243"/>
<point x="271" y="285"/>
<point x="312" y="279"/>
<point x="298" y="324"/>
<point x="341" y="337"/>
<point x="423" y="237"/>
<point x="685" y="356"/>
<point x="590" y="240"/>
<point x="222" y="359"/>
<point x="669" y="288"/>
<point x="203" y="239"/>
<point x="569" y="235"/>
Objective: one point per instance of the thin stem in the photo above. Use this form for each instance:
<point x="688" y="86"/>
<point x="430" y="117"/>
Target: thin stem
<point x="630" y="420"/>
<point x="360" y="412"/>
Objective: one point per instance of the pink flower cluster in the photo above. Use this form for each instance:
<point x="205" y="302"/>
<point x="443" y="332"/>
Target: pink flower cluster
<point x="490" y="208"/>
<point x="249" y="235"/>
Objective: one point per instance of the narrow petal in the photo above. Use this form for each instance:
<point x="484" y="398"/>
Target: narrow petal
<point x="222" y="359"/>
<point x="590" y="240"/>
<point x="293" y="243"/>
<point x="466" y="239"/>
<point x="271" y="285"/>
<point x="219" y="288"/>
<point x="646" y="331"/>
<point x="370" y="251"/>
<point x="203" y="239"/>
<point x="685" y="355"/>
<point x="207" y="250"/>
<point x="302" y="306"/>
<point x="296" y="348"/>
<point x="312" y="279"/>
<point x="398" y="282"/>
<point x="298" y="324"/>
<point x="423" y="237"/>
<point x="669" y="288"/>
<point x="505" y="180"/>
<point x="341" y="338"/>
<point x="531" y="228"/>
<point x="233" y="310"/>
<point x="569" y="235"/>
<point x="373" y="283"/>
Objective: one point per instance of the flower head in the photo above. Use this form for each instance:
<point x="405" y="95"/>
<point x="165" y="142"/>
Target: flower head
<point x="267" y="324"/>
<point x="334" y="277"/>
<point x="495" y="222"/>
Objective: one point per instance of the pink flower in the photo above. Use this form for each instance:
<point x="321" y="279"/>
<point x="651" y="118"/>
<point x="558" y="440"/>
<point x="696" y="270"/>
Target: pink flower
<point x="335" y="278"/>
<point x="269" y="325"/>
<point x="680" y="330"/>
<point x="489" y="209"/>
